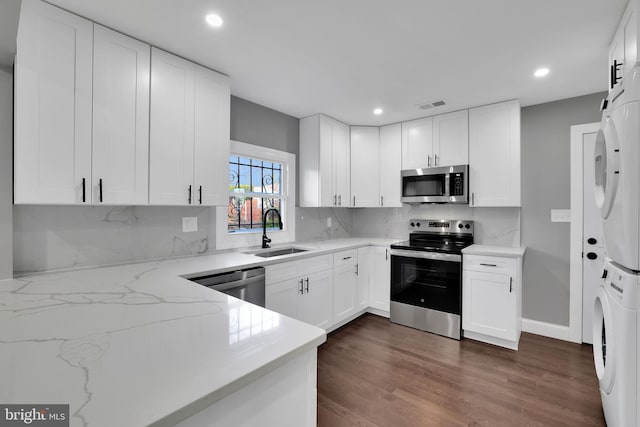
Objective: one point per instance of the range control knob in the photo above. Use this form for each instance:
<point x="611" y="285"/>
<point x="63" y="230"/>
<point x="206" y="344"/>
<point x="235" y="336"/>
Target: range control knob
<point x="413" y="224"/>
<point x="467" y="226"/>
<point x="418" y="225"/>
<point x="460" y="226"/>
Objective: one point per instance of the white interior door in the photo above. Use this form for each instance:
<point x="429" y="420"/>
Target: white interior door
<point x="592" y="241"/>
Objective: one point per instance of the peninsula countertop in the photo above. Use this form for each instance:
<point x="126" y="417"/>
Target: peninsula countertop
<point x="138" y="344"/>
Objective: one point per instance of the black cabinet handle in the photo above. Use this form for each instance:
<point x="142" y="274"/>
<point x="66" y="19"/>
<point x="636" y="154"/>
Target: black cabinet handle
<point x="200" y="196"/>
<point x="307" y="283"/>
<point x="100" y="190"/>
<point x="591" y="241"/>
<point x="189" y="194"/>
<point x="510" y="284"/>
<point x="84" y="190"/>
<point x="592" y="255"/>
<point x="605" y="273"/>
<point x="488" y="265"/>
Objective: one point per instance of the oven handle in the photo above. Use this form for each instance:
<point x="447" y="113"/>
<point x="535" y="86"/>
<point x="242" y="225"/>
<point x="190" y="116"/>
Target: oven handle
<point x="437" y="256"/>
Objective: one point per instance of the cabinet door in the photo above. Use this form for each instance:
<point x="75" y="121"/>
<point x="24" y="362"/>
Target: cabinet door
<point x="172" y="130"/>
<point x="285" y="298"/>
<point x="489" y="304"/>
<point x="53" y="85"/>
<point x="417" y="144"/>
<point x="451" y="139"/>
<point x="120" y="119"/>
<point x="494" y="154"/>
<point x="342" y="163"/>
<point x="318" y="299"/>
<point x="380" y="281"/>
<point x="326" y="172"/>
<point x="364" y="275"/>
<point x="365" y="142"/>
<point x="345" y="288"/>
<point x="212" y="122"/>
<point x="390" y="165"/>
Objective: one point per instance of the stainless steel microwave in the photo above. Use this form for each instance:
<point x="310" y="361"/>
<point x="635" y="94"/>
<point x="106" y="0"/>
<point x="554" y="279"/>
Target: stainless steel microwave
<point x="447" y="184"/>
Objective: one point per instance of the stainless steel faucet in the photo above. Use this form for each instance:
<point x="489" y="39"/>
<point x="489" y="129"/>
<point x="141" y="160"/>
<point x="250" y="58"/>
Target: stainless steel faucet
<point x="265" y="239"/>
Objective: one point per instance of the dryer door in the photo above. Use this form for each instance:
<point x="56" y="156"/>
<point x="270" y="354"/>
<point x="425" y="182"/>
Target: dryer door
<point x="603" y="342"/>
<point x="607" y="166"/>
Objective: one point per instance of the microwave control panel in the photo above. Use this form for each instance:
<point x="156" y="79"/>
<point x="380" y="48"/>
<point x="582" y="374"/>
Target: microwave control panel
<point x="456" y="184"/>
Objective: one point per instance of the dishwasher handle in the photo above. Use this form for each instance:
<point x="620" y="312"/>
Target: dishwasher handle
<point x="237" y="283"/>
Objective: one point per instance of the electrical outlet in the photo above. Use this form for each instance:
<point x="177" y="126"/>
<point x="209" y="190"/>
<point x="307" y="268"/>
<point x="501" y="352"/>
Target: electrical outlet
<point x="189" y="224"/>
<point x="328" y="222"/>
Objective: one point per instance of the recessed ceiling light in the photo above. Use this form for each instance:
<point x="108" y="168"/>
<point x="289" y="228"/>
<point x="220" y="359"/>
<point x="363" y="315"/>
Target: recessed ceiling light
<point x="214" y="20"/>
<point x="541" y="72"/>
<point x="377" y="111"/>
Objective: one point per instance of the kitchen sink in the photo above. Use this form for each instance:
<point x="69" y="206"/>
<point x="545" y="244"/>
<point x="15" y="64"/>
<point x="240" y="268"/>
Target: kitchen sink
<point x="277" y="252"/>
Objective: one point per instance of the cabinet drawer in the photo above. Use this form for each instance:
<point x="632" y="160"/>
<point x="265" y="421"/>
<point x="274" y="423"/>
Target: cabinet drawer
<point x="489" y="264"/>
<point x="279" y="272"/>
<point x="316" y="264"/>
<point x="345" y="258"/>
<point x="293" y="269"/>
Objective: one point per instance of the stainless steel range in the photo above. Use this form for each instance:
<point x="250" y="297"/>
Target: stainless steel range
<point x="426" y="276"/>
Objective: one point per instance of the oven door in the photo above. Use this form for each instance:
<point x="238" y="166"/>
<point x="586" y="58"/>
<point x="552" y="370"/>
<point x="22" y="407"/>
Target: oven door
<point x="427" y="279"/>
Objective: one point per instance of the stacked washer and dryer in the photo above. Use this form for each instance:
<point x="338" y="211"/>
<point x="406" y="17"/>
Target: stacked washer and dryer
<point x="616" y="325"/>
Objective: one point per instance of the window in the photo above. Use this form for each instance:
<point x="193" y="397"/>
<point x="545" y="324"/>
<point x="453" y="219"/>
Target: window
<point x="259" y="178"/>
<point x="255" y="185"/>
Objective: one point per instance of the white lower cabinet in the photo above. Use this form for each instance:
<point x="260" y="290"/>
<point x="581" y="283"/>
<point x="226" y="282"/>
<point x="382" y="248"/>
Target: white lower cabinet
<point x="302" y="290"/>
<point x="364" y="275"/>
<point x="380" y="280"/>
<point x="345" y="285"/>
<point x="492" y="299"/>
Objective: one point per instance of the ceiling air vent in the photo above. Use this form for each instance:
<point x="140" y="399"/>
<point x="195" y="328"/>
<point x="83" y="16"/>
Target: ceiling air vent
<point x="433" y="104"/>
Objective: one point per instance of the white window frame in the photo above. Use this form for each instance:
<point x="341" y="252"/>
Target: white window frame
<point x="226" y="240"/>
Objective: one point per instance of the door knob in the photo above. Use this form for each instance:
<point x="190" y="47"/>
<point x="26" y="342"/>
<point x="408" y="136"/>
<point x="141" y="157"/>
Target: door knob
<point x="591" y="241"/>
<point x="592" y="255"/>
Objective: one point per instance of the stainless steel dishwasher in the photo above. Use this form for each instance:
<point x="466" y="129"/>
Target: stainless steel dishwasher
<point x="247" y="285"/>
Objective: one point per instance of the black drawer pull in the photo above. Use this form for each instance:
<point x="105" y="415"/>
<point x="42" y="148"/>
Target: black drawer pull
<point x="488" y="265"/>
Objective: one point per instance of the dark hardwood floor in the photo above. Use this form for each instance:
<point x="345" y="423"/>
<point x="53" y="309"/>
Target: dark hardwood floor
<point x="376" y="373"/>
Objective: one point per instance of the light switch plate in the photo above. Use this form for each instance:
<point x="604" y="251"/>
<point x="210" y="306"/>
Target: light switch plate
<point x="560" y="215"/>
<point x="189" y="224"/>
<point x="328" y="222"/>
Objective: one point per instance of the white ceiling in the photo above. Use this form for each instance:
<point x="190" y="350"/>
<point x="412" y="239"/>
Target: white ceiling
<point x="345" y="57"/>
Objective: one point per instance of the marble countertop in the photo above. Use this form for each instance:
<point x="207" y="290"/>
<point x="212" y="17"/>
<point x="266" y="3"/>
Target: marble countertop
<point x="503" y="251"/>
<point x="138" y="344"/>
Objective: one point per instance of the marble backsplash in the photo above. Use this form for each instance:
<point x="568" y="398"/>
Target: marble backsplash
<point x="493" y="226"/>
<point x="56" y="237"/>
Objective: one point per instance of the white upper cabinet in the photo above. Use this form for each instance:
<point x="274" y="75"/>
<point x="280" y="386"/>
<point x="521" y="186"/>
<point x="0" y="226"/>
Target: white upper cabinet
<point x="365" y="164"/>
<point x="120" y="119"/>
<point x="436" y="141"/>
<point x="451" y="139"/>
<point x="172" y="129"/>
<point x="417" y="144"/>
<point x="390" y="165"/>
<point x="494" y="154"/>
<point x="189" y="138"/>
<point x="53" y="86"/>
<point x="623" y="50"/>
<point x="212" y="136"/>
<point x="324" y="162"/>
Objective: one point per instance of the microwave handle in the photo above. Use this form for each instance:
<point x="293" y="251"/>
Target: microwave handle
<point x="446" y="185"/>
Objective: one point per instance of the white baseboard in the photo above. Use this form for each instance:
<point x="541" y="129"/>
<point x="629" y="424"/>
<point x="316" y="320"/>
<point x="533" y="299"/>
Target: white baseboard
<point x="550" y="330"/>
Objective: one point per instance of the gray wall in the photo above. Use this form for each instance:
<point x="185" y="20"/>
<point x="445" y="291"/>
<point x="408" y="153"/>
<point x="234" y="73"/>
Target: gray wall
<point x="6" y="174"/>
<point x="258" y="125"/>
<point x="546" y="186"/>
